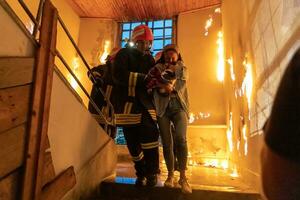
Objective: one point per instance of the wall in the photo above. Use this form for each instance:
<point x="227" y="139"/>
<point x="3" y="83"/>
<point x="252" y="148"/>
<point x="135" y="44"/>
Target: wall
<point x="264" y="35"/>
<point x="64" y="46"/>
<point x="14" y="41"/>
<point x="78" y="140"/>
<point x="200" y="56"/>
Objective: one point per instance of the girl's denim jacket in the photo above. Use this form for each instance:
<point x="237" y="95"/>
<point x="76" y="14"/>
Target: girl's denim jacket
<point x="161" y="102"/>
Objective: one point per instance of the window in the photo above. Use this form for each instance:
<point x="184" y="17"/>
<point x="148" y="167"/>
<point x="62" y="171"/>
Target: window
<point x="162" y="32"/>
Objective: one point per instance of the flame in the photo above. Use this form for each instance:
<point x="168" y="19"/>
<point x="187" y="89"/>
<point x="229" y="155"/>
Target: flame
<point x="106" y="52"/>
<point x="191" y="118"/>
<point x="245" y="139"/>
<point x="247" y="84"/>
<point x="230" y="62"/>
<point x="220" y="68"/>
<point x="216" y="163"/>
<point x="211" y="163"/>
<point x="229" y="133"/>
<point x="208" y="24"/>
<point x="234" y="173"/>
<point x="75" y="67"/>
<point x="218" y="10"/>
<point x="224" y="164"/>
<point x="30" y="26"/>
<point x="202" y="115"/>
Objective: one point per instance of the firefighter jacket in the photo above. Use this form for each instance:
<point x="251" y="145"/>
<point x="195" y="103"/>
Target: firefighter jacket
<point x="130" y="97"/>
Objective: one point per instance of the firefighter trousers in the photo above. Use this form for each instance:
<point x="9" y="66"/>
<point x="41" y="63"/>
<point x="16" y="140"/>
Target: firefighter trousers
<point x="142" y="143"/>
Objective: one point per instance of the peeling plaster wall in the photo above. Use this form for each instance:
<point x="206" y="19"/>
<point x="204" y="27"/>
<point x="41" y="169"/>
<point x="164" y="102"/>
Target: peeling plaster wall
<point x="267" y="32"/>
<point x="92" y="37"/>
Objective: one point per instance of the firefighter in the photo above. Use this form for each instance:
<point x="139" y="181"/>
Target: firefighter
<point x="133" y="106"/>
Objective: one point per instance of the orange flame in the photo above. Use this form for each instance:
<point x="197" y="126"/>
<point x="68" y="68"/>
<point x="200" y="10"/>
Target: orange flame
<point x="106" y="52"/>
<point x="208" y="24"/>
<point x="220" y="68"/>
<point x="229" y="133"/>
<point x="247" y="84"/>
<point x="245" y="139"/>
<point x="75" y="67"/>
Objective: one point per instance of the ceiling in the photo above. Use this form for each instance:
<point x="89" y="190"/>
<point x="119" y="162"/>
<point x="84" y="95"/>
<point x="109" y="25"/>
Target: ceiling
<point x="134" y="10"/>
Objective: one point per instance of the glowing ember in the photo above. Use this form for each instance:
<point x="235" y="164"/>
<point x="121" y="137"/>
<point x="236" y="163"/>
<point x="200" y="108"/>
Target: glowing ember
<point x="208" y="24"/>
<point x="247" y="84"/>
<point x="220" y="68"/>
<point x="105" y="53"/>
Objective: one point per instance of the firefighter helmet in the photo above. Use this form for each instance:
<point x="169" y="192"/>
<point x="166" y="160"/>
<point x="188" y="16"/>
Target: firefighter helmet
<point x="142" y="32"/>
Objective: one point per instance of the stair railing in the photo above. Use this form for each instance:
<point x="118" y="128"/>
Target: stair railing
<point x="109" y="119"/>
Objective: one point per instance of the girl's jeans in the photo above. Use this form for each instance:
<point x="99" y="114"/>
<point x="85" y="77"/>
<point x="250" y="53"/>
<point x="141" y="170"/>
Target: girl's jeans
<point x="175" y="114"/>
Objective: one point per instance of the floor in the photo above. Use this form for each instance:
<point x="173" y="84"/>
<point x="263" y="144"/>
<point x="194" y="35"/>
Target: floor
<point x="200" y="177"/>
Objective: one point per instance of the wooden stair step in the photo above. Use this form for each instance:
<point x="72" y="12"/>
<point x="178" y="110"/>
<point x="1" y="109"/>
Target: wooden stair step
<point x="118" y="191"/>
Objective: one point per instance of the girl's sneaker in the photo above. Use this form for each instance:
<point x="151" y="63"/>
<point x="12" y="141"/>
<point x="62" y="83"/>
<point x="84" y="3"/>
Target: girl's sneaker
<point x="185" y="186"/>
<point x="169" y="182"/>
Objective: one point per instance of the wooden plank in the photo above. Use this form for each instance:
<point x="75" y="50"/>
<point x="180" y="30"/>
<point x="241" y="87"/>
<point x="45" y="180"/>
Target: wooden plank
<point x="128" y="10"/>
<point x="49" y="173"/>
<point x="9" y="186"/>
<point x="12" y="143"/>
<point x="14" y="106"/>
<point x="60" y="185"/>
<point x="15" y="71"/>
<point x="32" y="183"/>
